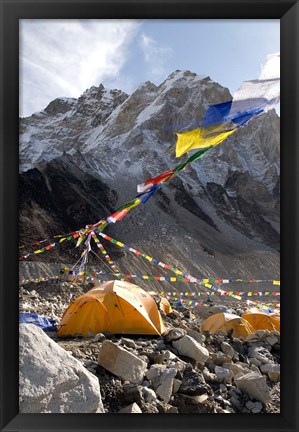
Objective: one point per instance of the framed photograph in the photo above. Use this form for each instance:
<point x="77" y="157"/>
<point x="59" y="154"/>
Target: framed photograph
<point x="142" y="249"/>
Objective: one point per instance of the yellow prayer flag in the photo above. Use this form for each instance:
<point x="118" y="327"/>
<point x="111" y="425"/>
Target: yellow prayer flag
<point x="276" y="282"/>
<point x="202" y="137"/>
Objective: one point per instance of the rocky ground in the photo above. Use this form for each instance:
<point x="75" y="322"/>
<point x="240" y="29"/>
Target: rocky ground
<point x="183" y="371"/>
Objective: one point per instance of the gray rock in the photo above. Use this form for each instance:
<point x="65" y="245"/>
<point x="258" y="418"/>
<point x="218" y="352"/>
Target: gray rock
<point x="254" y="361"/>
<point x="162" y="380"/>
<point x="255" y="410"/>
<point x="121" y="363"/>
<point x="219" y="358"/>
<point x="130" y="409"/>
<point x="199" y="337"/>
<point x="223" y="374"/>
<point x="99" y="337"/>
<point x="272" y="340"/>
<point x="174" y="334"/>
<point x="187" y="346"/>
<point x="260" y="354"/>
<point x="254" y="385"/>
<point x="193" y="384"/>
<point x="51" y="380"/>
<point x="132" y="393"/>
<point x="273" y="371"/>
<point x="176" y="385"/>
<point x="250" y="405"/>
<point x="128" y="342"/>
<point x="227" y="349"/>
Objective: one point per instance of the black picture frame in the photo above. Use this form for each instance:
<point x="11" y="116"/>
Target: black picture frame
<point x="11" y="12"/>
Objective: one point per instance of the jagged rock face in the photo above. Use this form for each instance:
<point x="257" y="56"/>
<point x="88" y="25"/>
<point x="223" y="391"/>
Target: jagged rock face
<point x="58" y="199"/>
<point x="225" y="203"/>
<point x="63" y="125"/>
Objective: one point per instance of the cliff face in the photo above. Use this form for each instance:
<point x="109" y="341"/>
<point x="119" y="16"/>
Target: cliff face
<point x="79" y="159"/>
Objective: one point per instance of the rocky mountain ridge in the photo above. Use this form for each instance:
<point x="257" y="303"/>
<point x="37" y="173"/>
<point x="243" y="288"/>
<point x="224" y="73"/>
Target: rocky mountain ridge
<point x="88" y="155"/>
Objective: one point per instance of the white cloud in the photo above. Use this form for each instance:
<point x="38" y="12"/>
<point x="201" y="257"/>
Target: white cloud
<point x="65" y="57"/>
<point x="155" y="55"/>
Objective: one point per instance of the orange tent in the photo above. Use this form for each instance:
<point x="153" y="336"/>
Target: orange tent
<point x="165" y="306"/>
<point x="115" y="306"/>
<point x="262" y="321"/>
<point x="225" y="322"/>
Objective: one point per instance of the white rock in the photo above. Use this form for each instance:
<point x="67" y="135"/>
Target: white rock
<point x="121" y="363"/>
<point x="155" y="371"/>
<point x="165" y="388"/>
<point x="254" y="385"/>
<point x="148" y="394"/>
<point x="51" y="380"/>
<point x="130" y="409"/>
<point x="189" y="347"/>
<point x="162" y="379"/>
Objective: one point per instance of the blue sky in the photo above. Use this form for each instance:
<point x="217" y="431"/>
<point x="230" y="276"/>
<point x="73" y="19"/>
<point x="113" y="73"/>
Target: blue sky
<point x="62" y="58"/>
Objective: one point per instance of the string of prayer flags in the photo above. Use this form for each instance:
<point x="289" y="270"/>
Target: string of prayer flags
<point x="106" y="256"/>
<point x="202" y="137"/>
<point x="154" y="181"/>
<point x="220" y="113"/>
<point x="221" y="120"/>
<point x="169" y="267"/>
<point x="167" y="175"/>
<point x="48" y="247"/>
<point x="260" y="93"/>
<point x="271" y="67"/>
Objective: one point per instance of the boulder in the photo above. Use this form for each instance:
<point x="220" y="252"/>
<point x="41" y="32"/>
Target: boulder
<point x="187" y="346"/>
<point x="254" y="385"/>
<point x="51" y="380"/>
<point x="121" y="363"/>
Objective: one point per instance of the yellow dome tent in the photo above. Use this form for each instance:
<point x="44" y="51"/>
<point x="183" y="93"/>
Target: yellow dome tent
<point x="115" y="306"/>
<point x="262" y="321"/>
<point x="165" y="306"/>
<point x="163" y="303"/>
<point x="224" y="322"/>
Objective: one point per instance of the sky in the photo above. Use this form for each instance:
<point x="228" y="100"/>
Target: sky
<point x="63" y="58"/>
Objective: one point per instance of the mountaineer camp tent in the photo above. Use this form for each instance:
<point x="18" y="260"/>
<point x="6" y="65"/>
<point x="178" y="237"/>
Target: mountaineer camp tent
<point x="262" y="321"/>
<point x="225" y="322"/>
<point x="115" y="306"/>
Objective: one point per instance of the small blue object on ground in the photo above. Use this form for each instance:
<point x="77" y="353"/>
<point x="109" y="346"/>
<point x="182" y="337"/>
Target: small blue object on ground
<point x="44" y="323"/>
